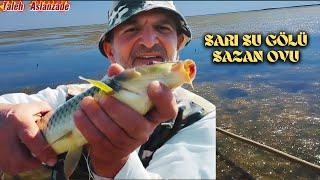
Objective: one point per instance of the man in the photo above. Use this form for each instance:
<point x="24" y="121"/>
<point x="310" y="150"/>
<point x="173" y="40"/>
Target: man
<point x="138" y="32"/>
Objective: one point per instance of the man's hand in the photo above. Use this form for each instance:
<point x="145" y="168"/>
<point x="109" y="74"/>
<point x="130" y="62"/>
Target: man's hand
<point x="114" y="130"/>
<point x="22" y="146"/>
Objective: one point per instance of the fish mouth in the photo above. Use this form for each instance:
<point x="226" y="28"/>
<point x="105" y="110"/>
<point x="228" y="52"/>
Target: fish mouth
<point x="187" y="69"/>
<point x="190" y="67"/>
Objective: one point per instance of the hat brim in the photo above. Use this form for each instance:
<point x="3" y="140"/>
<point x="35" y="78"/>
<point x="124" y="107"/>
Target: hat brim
<point x="183" y="24"/>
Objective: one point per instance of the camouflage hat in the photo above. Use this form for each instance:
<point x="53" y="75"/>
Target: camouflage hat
<point x="124" y="9"/>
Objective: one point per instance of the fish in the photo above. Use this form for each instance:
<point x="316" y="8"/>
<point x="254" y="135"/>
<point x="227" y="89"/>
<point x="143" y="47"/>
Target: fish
<point x="129" y="87"/>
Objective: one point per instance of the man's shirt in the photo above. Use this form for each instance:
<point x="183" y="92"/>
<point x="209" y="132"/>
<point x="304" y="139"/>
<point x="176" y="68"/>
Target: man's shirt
<point x="190" y="154"/>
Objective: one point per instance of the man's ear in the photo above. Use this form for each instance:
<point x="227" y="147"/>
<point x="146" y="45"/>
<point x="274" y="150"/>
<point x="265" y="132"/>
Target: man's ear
<point x="180" y="41"/>
<point x="107" y="47"/>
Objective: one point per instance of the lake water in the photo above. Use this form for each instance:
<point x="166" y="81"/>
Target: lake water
<point x="275" y="104"/>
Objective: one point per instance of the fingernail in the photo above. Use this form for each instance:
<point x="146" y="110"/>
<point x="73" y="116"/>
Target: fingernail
<point x="155" y="86"/>
<point x="103" y="99"/>
<point x="51" y="162"/>
<point x="77" y="114"/>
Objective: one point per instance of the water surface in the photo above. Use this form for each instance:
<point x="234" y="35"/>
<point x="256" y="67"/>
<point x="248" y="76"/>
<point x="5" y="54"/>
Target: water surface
<point x="278" y="104"/>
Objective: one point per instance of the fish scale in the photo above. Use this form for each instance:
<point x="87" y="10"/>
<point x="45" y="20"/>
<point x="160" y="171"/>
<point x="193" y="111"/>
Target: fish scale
<point x="63" y="116"/>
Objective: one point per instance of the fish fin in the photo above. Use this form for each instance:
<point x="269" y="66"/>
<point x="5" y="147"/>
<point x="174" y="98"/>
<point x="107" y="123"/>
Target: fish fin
<point x="127" y="75"/>
<point x="99" y="84"/>
<point x="192" y="86"/>
<point x="72" y="160"/>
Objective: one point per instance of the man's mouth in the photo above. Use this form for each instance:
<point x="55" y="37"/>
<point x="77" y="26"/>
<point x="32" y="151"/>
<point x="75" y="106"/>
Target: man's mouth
<point x="147" y="59"/>
<point x="142" y="55"/>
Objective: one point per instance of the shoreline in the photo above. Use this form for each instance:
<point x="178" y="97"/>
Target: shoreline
<point x="199" y="15"/>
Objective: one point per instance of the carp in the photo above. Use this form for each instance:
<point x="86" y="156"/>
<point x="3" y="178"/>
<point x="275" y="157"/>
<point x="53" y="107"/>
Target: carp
<point x="129" y="87"/>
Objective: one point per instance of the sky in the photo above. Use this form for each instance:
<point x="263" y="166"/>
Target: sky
<point x="95" y="12"/>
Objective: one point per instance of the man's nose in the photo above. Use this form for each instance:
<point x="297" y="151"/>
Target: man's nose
<point x="149" y="38"/>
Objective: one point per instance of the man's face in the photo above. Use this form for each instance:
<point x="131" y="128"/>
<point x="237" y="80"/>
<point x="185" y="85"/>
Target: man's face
<point x="145" y="39"/>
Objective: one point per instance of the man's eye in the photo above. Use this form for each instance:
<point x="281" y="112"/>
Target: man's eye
<point x="133" y="29"/>
<point x="164" y="28"/>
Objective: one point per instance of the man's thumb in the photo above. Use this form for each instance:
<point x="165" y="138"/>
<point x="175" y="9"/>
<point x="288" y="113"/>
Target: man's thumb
<point x="115" y="69"/>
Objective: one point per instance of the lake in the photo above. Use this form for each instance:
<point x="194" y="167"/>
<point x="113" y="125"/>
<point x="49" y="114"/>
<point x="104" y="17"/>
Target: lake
<point x="277" y="104"/>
